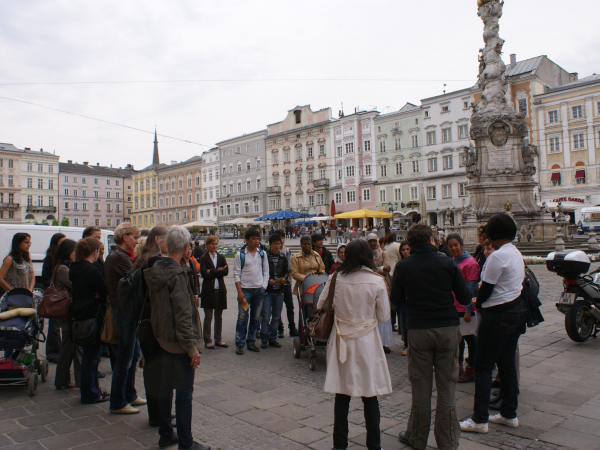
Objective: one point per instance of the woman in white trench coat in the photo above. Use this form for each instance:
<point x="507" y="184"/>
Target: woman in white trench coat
<point x="356" y="364"/>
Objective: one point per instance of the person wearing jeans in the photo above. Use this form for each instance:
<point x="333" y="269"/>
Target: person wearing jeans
<point x="273" y="301"/>
<point x="251" y="276"/>
<point x="503" y="320"/>
<point x="288" y="298"/>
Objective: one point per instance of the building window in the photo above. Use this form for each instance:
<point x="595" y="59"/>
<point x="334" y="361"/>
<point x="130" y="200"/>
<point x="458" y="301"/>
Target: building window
<point x="40" y="167"/>
<point x="415" y="141"/>
<point x="10" y="181"/>
<point x="415" y="167"/>
<point x="288" y="203"/>
<point x="448" y="162"/>
<point x="579" y="140"/>
<point x="321" y="149"/>
<point x="351" y="196"/>
<point x="248" y="188"/>
<point x="553" y="116"/>
<point x="350" y="171"/>
<point x="299" y="178"/>
<point x="397" y="144"/>
<point x="432" y="165"/>
<point x="311" y="200"/>
<point x="239" y="187"/>
<point x="323" y="174"/>
<point x="366" y="195"/>
<point x="382" y="147"/>
<point x="310" y="152"/>
<point x="340" y="174"/>
<point x="579" y="175"/>
<point x="382" y="195"/>
<point x="555" y="176"/>
<point x="10" y="163"/>
<point x="383" y="170"/>
<point x="462" y="160"/>
<point x="287" y="180"/>
<point x="447" y="191"/>
<point x="298" y="115"/>
<point x="367" y="146"/>
<point x="577" y="112"/>
<point x="431" y="138"/>
<point x="463" y="131"/>
<point x="445" y="109"/>
<point x="338" y="197"/>
<point x="40" y="183"/>
<point x="350" y="147"/>
<point x="446" y="135"/>
<point x="311" y="175"/>
<point x="523" y="106"/>
<point x="298" y="154"/>
<point x="554" y="145"/>
<point x="286" y="157"/>
<point x="397" y="194"/>
<point x="50" y="169"/>
<point x="320" y="199"/>
<point x="398" y="168"/>
<point x="431" y="193"/>
<point x="462" y="189"/>
<point x="299" y="202"/>
<point x="339" y="151"/>
<point x="30" y="167"/>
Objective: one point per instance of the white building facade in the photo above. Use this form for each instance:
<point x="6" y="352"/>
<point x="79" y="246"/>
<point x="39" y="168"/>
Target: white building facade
<point x="209" y="203"/>
<point x="39" y="186"/>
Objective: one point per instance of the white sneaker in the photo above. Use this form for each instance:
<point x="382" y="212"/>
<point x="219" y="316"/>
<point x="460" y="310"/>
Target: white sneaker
<point x="468" y="426"/>
<point x="497" y="418"/>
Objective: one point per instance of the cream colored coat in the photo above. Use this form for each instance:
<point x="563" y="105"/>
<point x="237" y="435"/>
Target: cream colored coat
<point x="356" y="363"/>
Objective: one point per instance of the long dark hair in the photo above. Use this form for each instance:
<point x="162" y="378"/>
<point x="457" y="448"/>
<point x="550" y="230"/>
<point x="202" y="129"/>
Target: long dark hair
<point x="358" y="254"/>
<point x="54" y="244"/>
<point x="404" y="243"/>
<point x="151" y="248"/>
<point x="63" y="253"/>
<point x="15" y="251"/>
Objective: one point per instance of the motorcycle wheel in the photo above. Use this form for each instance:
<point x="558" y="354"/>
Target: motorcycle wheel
<point x="579" y="322"/>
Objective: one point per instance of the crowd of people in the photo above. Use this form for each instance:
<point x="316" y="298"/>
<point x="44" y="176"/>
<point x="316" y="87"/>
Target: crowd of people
<point x="458" y="315"/>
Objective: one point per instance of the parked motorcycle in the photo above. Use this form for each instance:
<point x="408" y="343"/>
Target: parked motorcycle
<point x="580" y="300"/>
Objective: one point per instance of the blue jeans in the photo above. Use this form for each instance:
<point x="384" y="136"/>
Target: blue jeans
<point x="177" y="373"/>
<point x="254" y="297"/>
<point x="271" y="315"/>
<point x="497" y="344"/>
<point x="122" y="388"/>
<point x="89" y="387"/>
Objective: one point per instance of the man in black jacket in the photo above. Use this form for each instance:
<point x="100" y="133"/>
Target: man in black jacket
<point x="319" y="247"/>
<point x="425" y="282"/>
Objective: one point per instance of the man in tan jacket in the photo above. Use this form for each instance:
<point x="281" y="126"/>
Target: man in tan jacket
<point x="305" y="262"/>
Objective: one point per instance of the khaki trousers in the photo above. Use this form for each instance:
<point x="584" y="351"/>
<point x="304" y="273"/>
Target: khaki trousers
<point x="430" y="349"/>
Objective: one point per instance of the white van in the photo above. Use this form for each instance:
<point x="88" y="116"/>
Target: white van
<point x="40" y="240"/>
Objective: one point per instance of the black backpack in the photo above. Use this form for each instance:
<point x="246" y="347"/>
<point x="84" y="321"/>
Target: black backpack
<point x="130" y="294"/>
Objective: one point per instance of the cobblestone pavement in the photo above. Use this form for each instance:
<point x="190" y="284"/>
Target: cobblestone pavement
<point x="271" y="400"/>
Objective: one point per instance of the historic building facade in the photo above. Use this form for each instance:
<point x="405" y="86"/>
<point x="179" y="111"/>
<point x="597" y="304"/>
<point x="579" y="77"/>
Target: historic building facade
<point x="90" y="195"/>
<point x="10" y="184"/>
<point x="445" y="133"/>
<point x="127" y="173"/>
<point x="298" y="151"/>
<point x="211" y="168"/>
<point x="353" y="171"/>
<point x="568" y="139"/>
<point x="179" y="191"/>
<point x="39" y="186"/>
<point x="145" y="192"/>
<point x="243" y="176"/>
<point x="399" y="166"/>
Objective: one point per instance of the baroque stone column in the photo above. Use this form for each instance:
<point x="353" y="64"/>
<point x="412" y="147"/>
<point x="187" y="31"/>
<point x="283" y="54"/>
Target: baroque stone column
<point x="500" y="167"/>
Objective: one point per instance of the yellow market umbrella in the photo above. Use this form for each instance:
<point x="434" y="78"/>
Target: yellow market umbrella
<point x="362" y="214"/>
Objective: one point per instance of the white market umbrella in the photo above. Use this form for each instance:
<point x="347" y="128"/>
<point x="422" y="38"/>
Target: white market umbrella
<point x="242" y="221"/>
<point x="322" y="218"/>
<point x="200" y="224"/>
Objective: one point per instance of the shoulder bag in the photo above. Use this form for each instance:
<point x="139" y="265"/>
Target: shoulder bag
<point x="110" y="332"/>
<point x="56" y="301"/>
<point x="321" y="325"/>
<point x="86" y="332"/>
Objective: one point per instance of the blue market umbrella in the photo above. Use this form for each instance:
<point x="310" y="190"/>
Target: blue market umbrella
<point x="304" y="222"/>
<point x="282" y="215"/>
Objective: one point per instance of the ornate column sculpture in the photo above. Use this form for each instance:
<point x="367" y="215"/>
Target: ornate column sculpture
<point x="500" y="167"/>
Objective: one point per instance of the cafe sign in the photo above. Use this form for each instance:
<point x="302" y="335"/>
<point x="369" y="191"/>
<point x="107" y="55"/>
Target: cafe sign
<point x="569" y="199"/>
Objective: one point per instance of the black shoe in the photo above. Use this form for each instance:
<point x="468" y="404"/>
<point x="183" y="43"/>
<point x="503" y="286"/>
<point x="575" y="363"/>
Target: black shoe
<point x="293" y="332"/>
<point x="240" y="350"/>
<point x="198" y="446"/>
<point x="253" y="348"/>
<point x="280" y="334"/>
<point x="402" y="438"/>
<point x="274" y="344"/>
<point x="101" y="375"/>
<point x="165" y="443"/>
<point x="264" y="344"/>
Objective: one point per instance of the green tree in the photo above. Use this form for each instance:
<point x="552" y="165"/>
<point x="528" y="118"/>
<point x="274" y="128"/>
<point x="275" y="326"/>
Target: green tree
<point x="54" y="222"/>
<point x="65" y="222"/>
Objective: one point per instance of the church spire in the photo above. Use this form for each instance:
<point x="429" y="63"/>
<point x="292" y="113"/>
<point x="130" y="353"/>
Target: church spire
<point x="155" y="158"/>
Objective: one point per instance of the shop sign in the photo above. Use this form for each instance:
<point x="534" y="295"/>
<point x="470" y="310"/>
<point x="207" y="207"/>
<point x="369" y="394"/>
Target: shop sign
<point x="569" y="199"/>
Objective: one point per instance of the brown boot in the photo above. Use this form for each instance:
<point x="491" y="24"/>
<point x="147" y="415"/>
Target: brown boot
<point x="468" y="376"/>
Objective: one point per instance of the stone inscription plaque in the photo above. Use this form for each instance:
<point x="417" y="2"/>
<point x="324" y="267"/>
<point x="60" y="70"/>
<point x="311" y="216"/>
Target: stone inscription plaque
<point x="500" y="159"/>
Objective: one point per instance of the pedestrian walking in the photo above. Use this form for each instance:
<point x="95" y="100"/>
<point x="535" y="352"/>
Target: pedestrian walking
<point x="251" y="276"/>
<point x="53" y="339"/>
<point x="177" y="328"/>
<point x="124" y="397"/>
<point x="470" y="270"/>
<point x="89" y="302"/>
<point x="213" y="268"/>
<point x="273" y="301"/>
<point x="503" y="320"/>
<point x="426" y="282"/>
<point x="356" y="364"/>
<point x="69" y="353"/>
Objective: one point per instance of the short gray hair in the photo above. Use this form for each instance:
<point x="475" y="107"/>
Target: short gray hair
<point x="177" y="238"/>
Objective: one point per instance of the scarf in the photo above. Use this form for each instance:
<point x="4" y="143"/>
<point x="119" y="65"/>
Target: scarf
<point x="462" y="257"/>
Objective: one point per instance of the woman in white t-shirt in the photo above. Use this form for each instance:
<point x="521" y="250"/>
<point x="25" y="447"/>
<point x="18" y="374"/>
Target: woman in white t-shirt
<point x="503" y="320"/>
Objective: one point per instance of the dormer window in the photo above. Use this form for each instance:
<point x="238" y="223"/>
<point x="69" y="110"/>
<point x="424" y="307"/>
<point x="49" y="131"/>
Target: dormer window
<point x="298" y="116"/>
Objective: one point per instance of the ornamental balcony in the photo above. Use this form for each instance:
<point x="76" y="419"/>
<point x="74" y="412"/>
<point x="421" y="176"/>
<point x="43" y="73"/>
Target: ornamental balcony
<point x="323" y="182"/>
<point x="9" y="205"/>
<point x="33" y="208"/>
<point x="274" y="190"/>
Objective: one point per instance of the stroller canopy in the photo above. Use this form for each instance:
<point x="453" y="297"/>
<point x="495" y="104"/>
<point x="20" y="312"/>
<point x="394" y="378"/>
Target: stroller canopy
<point x="312" y="286"/>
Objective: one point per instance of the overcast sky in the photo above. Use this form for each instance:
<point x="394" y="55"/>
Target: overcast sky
<point x="422" y="44"/>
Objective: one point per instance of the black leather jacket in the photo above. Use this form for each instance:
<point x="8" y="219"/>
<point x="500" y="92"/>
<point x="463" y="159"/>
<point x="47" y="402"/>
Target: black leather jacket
<point x="281" y="271"/>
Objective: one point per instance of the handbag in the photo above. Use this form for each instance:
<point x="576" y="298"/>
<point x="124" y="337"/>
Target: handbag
<point x="56" y="301"/>
<point x="321" y="325"/>
<point x="110" y="332"/>
<point x="85" y="332"/>
<point x="144" y="332"/>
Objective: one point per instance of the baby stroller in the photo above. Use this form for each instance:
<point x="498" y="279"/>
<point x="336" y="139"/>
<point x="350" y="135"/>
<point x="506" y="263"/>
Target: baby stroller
<point x="309" y="291"/>
<point x="19" y="340"/>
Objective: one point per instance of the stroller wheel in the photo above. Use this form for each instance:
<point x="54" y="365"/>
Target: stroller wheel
<point x="44" y="371"/>
<point x="312" y="362"/>
<point x="297" y="347"/>
<point x="33" y="384"/>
